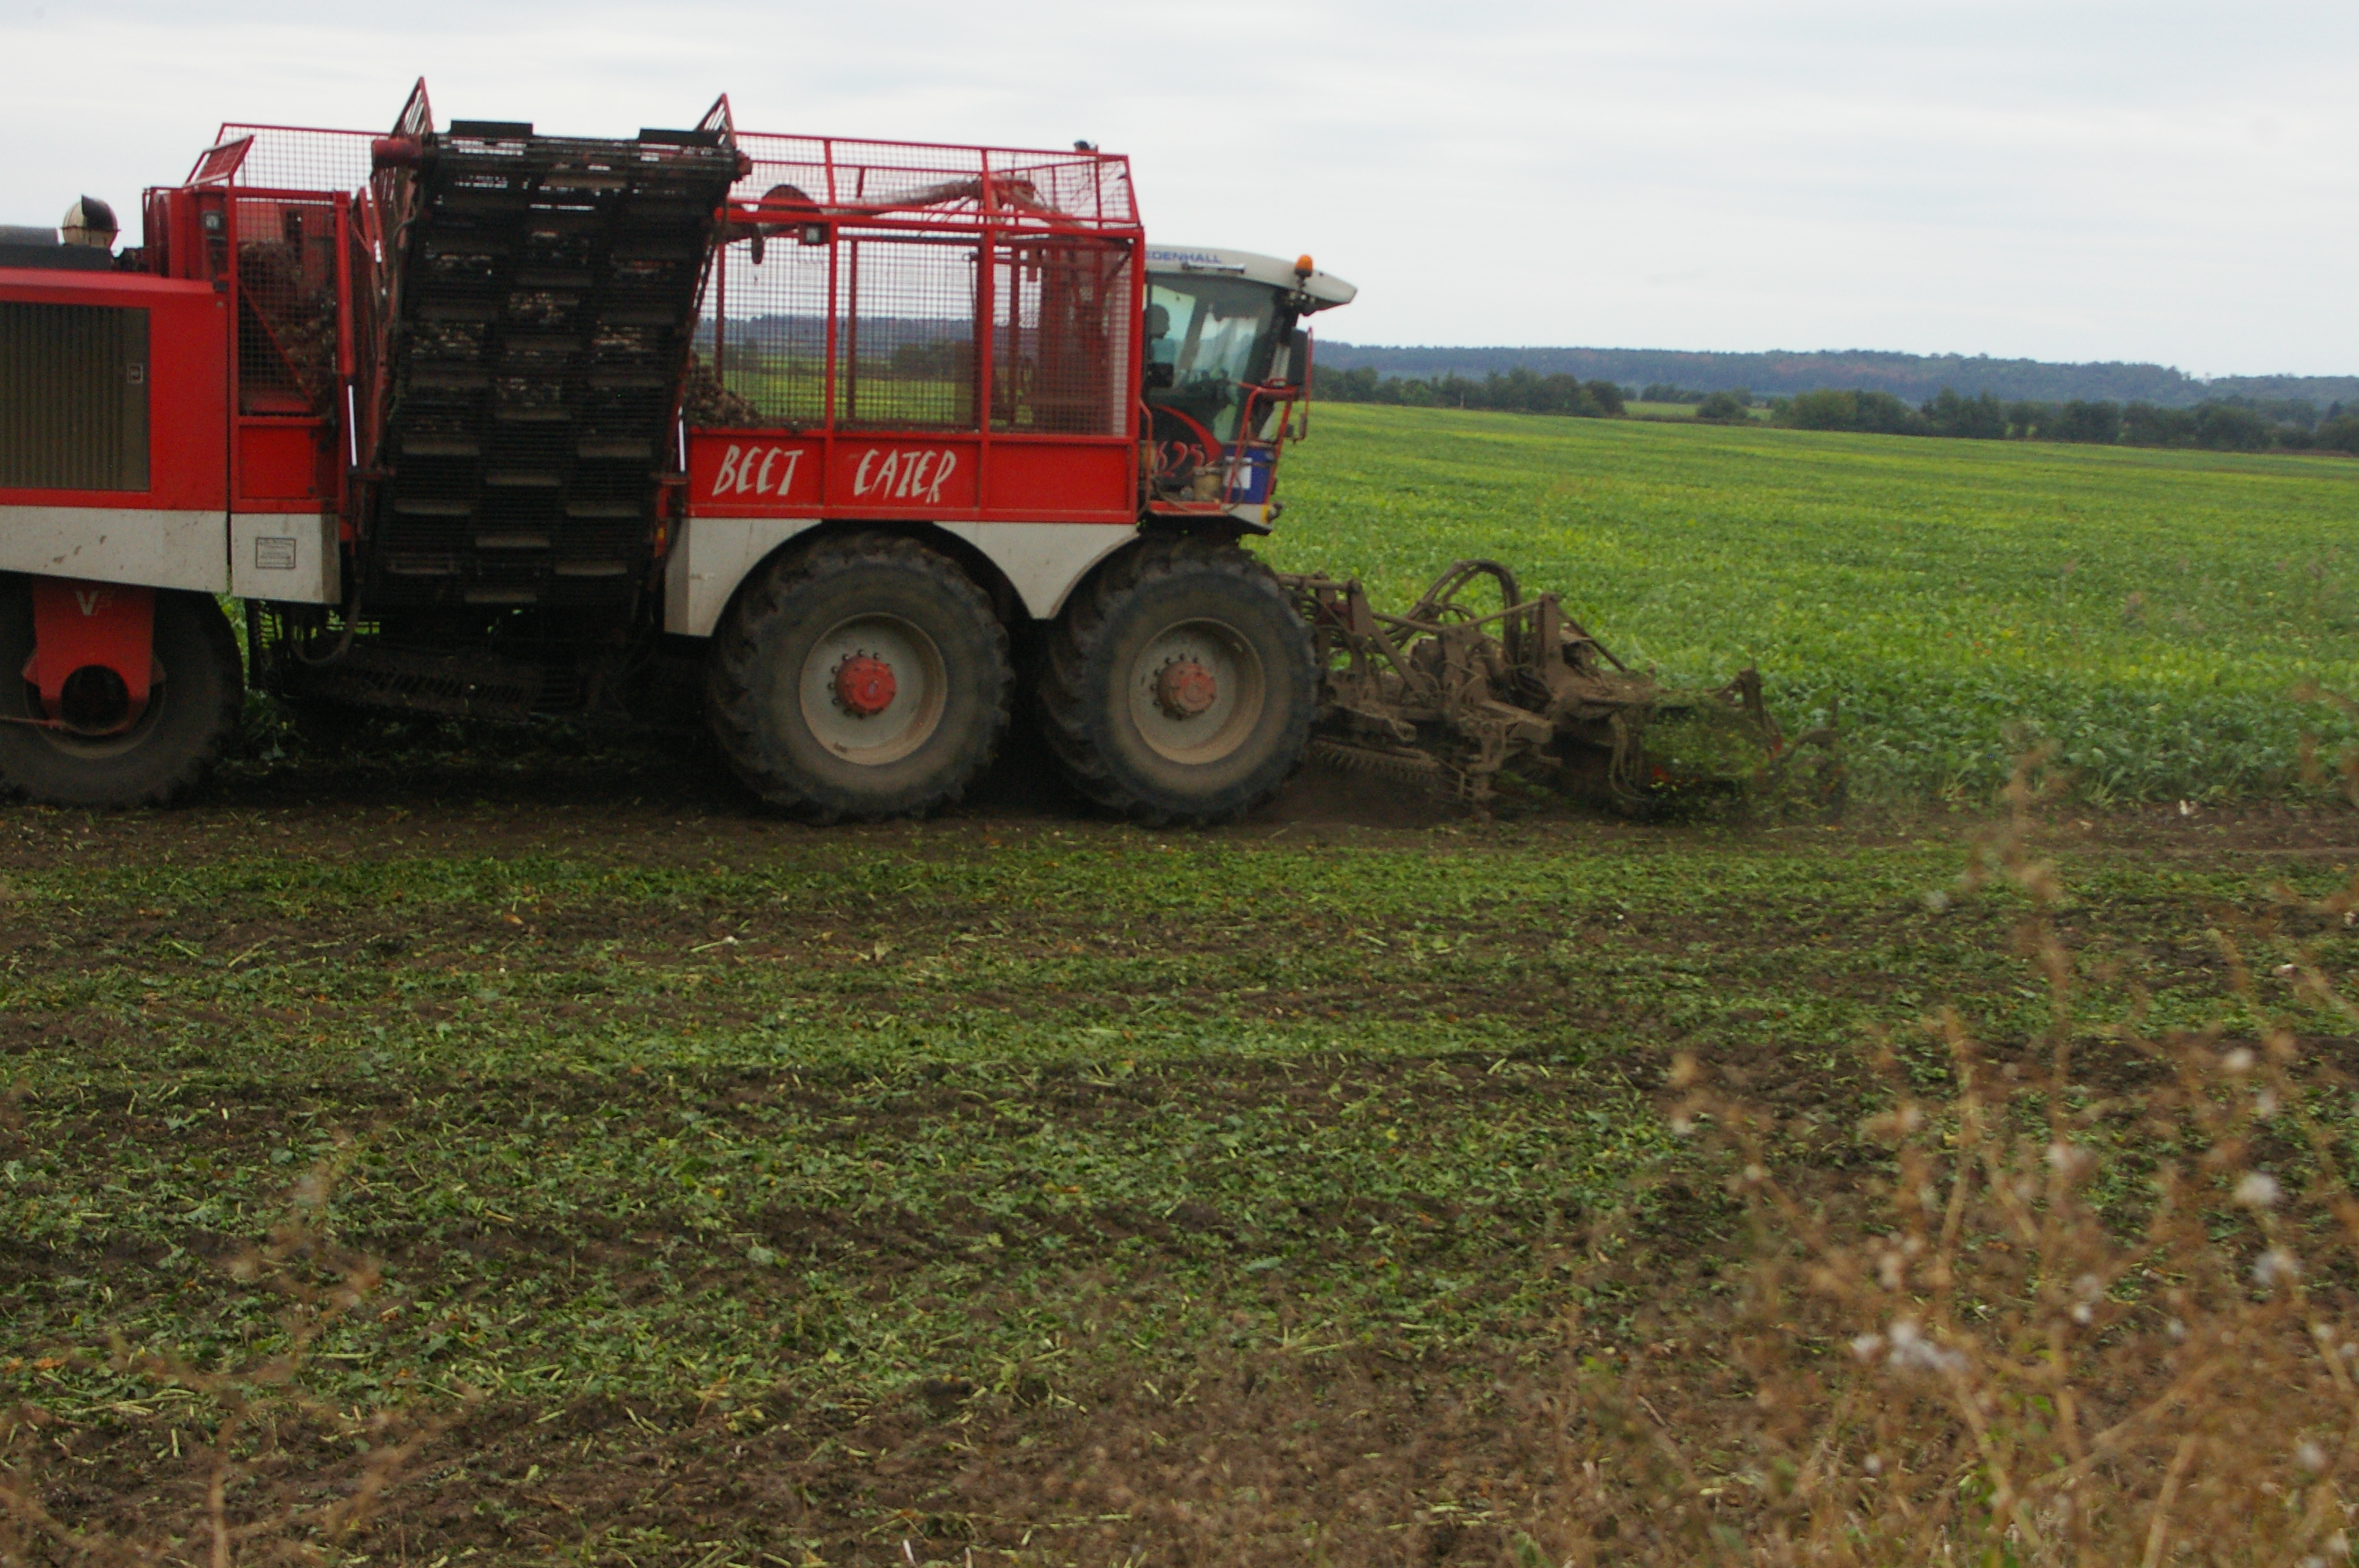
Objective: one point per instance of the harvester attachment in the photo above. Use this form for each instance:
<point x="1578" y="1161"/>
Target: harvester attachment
<point x="1451" y="697"/>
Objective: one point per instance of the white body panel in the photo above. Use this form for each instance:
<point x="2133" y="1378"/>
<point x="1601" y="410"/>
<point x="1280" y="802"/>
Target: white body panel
<point x="1320" y="290"/>
<point x="113" y="543"/>
<point x="285" y="556"/>
<point x="708" y="561"/>
<point x="1043" y="561"/>
<point x="293" y="558"/>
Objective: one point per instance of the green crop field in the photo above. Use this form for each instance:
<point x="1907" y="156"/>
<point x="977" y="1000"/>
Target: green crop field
<point x="2147" y="613"/>
<point x="745" y="1192"/>
<point x="1020" y="1189"/>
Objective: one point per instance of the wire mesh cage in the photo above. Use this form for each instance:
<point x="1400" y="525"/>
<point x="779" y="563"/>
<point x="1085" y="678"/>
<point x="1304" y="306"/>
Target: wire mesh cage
<point x="286" y="326"/>
<point x="939" y="186"/>
<point x="878" y="286"/>
<point x="762" y="342"/>
<point x="1061" y="324"/>
<point x="287" y="158"/>
<point x="905" y="333"/>
<point x="852" y="287"/>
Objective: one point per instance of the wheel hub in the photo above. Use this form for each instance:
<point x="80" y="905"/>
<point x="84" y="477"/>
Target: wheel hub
<point x="1186" y="688"/>
<point x="864" y="685"/>
<point x="1196" y="692"/>
<point x="872" y="689"/>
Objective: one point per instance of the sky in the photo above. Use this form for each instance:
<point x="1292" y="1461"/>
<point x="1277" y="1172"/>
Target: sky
<point x="2158" y="180"/>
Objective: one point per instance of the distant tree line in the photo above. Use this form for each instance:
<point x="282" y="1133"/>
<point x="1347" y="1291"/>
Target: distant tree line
<point x="1912" y="377"/>
<point x="2220" y="425"/>
<point x="1521" y="390"/>
<point x="2226" y="423"/>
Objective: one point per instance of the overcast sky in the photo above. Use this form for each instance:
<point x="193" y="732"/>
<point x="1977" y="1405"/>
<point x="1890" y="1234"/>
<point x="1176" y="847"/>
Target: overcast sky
<point x="2155" y="180"/>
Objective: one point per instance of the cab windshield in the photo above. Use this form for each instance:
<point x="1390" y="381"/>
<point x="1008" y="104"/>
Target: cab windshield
<point x="1214" y="333"/>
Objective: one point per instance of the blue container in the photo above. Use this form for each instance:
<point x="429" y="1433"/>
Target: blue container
<point x="1250" y="473"/>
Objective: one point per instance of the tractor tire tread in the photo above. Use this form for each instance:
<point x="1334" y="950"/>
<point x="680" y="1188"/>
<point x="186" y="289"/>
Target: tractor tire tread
<point x="732" y="687"/>
<point x="152" y="777"/>
<point x="1073" y="650"/>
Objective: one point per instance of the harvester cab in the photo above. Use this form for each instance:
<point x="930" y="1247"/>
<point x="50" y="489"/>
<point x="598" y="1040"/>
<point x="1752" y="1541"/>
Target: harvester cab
<point x="1226" y="374"/>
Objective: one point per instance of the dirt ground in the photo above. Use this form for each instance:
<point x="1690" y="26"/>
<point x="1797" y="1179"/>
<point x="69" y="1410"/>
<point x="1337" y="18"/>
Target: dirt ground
<point x="485" y="788"/>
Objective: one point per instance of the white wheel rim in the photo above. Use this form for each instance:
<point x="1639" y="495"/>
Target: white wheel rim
<point x="919" y="684"/>
<point x="1165" y="669"/>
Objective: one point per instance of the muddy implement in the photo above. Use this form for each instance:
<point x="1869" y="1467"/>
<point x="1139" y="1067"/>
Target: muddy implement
<point x="1451" y="697"/>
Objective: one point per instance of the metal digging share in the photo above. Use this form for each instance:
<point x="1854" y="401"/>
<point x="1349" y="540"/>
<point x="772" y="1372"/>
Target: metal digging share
<point x="1451" y="697"/>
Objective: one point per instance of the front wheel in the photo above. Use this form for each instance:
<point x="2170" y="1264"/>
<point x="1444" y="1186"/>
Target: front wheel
<point x="866" y="677"/>
<point x="165" y="752"/>
<point x="1180" y="685"/>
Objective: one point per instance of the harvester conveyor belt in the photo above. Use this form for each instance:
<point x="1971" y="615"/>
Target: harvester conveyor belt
<point x="542" y="292"/>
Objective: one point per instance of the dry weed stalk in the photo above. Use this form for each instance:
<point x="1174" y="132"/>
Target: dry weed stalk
<point x="2067" y="1322"/>
<point x="256" y="1405"/>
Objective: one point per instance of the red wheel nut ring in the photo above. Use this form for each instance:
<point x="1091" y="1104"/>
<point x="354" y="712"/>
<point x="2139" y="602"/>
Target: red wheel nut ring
<point x="1185" y="689"/>
<point x="864" y="685"/>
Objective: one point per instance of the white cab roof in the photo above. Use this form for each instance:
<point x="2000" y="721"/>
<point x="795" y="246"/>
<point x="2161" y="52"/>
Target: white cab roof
<point x="1325" y="289"/>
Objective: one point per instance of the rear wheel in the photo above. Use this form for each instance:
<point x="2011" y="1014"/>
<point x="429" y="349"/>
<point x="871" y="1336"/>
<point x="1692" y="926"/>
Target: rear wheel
<point x="865" y="678"/>
<point x="193" y="709"/>
<point x="1180" y="685"/>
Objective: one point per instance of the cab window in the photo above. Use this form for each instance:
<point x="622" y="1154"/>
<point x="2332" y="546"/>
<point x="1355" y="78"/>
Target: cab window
<point x="1214" y="333"/>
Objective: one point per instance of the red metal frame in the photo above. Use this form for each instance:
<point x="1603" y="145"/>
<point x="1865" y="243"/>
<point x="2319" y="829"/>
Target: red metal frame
<point x="287" y="462"/>
<point x="977" y="473"/>
<point x="188" y="353"/>
<point x="78" y="624"/>
<point x="205" y="452"/>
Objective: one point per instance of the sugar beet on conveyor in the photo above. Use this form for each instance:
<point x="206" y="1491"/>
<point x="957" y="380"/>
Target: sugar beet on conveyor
<point x="545" y="286"/>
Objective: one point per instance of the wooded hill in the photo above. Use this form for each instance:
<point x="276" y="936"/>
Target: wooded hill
<point x="1912" y="377"/>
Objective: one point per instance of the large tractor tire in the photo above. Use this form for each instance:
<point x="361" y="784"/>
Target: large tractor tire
<point x="193" y="710"/>
<point x="1180" y="683"/>
<point x="865" y="678"/>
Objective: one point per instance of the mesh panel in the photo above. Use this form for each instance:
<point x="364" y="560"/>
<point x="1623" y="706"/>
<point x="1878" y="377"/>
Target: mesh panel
<point x="1060" y="322"/>
<point x="285" y="158"/>
<point x="219" y="162"/>
<point x="773" y="350"/>
<point x="947" y="185"/>
<point x="287" y="304"/>
<point x="905" y="333"/>
<point x="900" y="285"/>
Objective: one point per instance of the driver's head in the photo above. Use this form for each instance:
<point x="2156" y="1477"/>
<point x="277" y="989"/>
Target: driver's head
<point x="1159" y="322"/>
